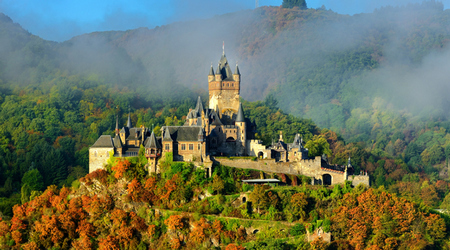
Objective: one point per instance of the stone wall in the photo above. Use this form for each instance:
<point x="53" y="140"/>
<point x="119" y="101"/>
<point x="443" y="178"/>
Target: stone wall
<point x="318" y="233"/>
<point x="256" y="146"/>
<point x="359" y="179"/>
<point x="310" y="167"/>
<point x="98" y="157"/>
<point x="266" y="165"/>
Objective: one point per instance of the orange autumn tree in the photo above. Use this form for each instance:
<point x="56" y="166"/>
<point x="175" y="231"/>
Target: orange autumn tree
<point x="175" y="222"/>
<point x="198" y="233"/>
<point x="378" y="219"/>
<point x="120" y="168"/>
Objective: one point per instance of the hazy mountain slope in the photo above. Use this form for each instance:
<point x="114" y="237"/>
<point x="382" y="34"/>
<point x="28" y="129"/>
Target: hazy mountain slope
<point x="318" y="63"/>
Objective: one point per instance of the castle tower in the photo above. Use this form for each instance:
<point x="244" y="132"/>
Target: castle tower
<point x="152" y="152"/>
<point x="224" y="91"/>
<point x="242" y="134"/>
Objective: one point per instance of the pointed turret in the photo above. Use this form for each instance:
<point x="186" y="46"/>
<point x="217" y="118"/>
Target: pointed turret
<point x="211" y="71"/>
<point x="152" y="142"/>
<point x="240" y="114"/>
<point x="199" y="107"/>
<point x="218" y="70"/>
<point x="236" y="71"/>
<point x="167" y="136"/>
<point x="129" y="121"/>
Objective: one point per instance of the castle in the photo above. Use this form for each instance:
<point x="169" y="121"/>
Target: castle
<point x="220" y="129"/>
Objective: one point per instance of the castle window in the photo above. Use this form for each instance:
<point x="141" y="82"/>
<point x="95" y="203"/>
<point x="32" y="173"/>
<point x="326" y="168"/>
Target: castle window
<point x="183" y="146"/>
<point x="191" y="146"/>
<point x="228" y="85"/>
<point x="232" y="85"/>
<point x="167" y="146"/>
<point x="198" y="146"/>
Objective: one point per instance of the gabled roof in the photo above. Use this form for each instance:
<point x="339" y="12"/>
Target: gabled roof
<point x="134" y="134"/>
<point x="104" y="141"/>
<point x="184" y="133"/>
<point x="278" y="145"/>
<point x="240" y="114"/>
<point x="152" y="142"/>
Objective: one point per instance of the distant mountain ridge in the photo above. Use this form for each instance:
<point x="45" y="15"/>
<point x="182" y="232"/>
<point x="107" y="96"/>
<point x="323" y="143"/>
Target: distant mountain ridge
<point x="310" y="59"/>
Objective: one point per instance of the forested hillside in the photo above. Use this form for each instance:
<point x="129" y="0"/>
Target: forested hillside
<point x="123" y="207"/>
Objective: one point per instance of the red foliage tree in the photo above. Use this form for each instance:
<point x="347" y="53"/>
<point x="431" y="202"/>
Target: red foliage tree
<point x="175" y="222"/>
<point x="121" y="167"/>
<point x="198" y="233"/>
<point x="110" y="243"/>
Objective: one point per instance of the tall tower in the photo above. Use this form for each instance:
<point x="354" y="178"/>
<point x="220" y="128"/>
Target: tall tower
<point x="224" y="88"/>
<point x="242" y="134"/>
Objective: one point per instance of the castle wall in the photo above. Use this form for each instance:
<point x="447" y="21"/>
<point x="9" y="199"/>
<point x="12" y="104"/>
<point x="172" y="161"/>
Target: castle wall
<point x="310" y="167"/>
<point x="255" y="147"/>
<point x="267" y="165"/>
<point x="359" y="179"/>
<point x="98" y="157"/>
<point x="187" y="154"/>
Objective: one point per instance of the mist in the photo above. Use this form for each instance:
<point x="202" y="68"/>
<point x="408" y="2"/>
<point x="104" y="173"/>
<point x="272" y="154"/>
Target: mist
<point x="307" y="58"/>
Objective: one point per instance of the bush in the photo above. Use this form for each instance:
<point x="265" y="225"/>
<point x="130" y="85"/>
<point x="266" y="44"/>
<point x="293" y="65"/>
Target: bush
<point x="297" y="229"/>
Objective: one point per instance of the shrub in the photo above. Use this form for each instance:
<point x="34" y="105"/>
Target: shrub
<point x="297" y="229"/>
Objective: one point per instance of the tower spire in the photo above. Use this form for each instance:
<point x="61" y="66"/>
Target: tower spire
<point x="117" y="124"/>
<point x="223" y="48"/>
<point x="129" y="118"/>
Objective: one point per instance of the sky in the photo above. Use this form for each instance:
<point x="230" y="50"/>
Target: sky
<point x="60" y="20"/>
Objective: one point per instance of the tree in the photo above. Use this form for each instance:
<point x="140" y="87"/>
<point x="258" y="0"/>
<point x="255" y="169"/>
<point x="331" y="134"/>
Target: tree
<point x="294" y="3"/>
<point x="120" y="168"/>
<point x="33" y="179"/>
<point x="318" y="146"/>
<point x="218" y="185"/>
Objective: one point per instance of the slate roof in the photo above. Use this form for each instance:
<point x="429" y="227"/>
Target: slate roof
<point x="236" y="71"/>
<point x="240" y="114"/>
<point x="129" y="121"/>
<point x="104" y="141"/>
<point x="216" y="119"/>
<point x="167" y="135"/>
<point x="134" y="134"/>
<point x="152" y="142"/>
<point x="224" y="69"/>
<point x="117" y="142"/>
<point x="199" y="107"/>
<point x="184" y="133"/>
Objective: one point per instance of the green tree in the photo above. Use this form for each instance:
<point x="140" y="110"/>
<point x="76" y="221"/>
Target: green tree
<point x="318" y="146"/>
<point x="33" y="179"/>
